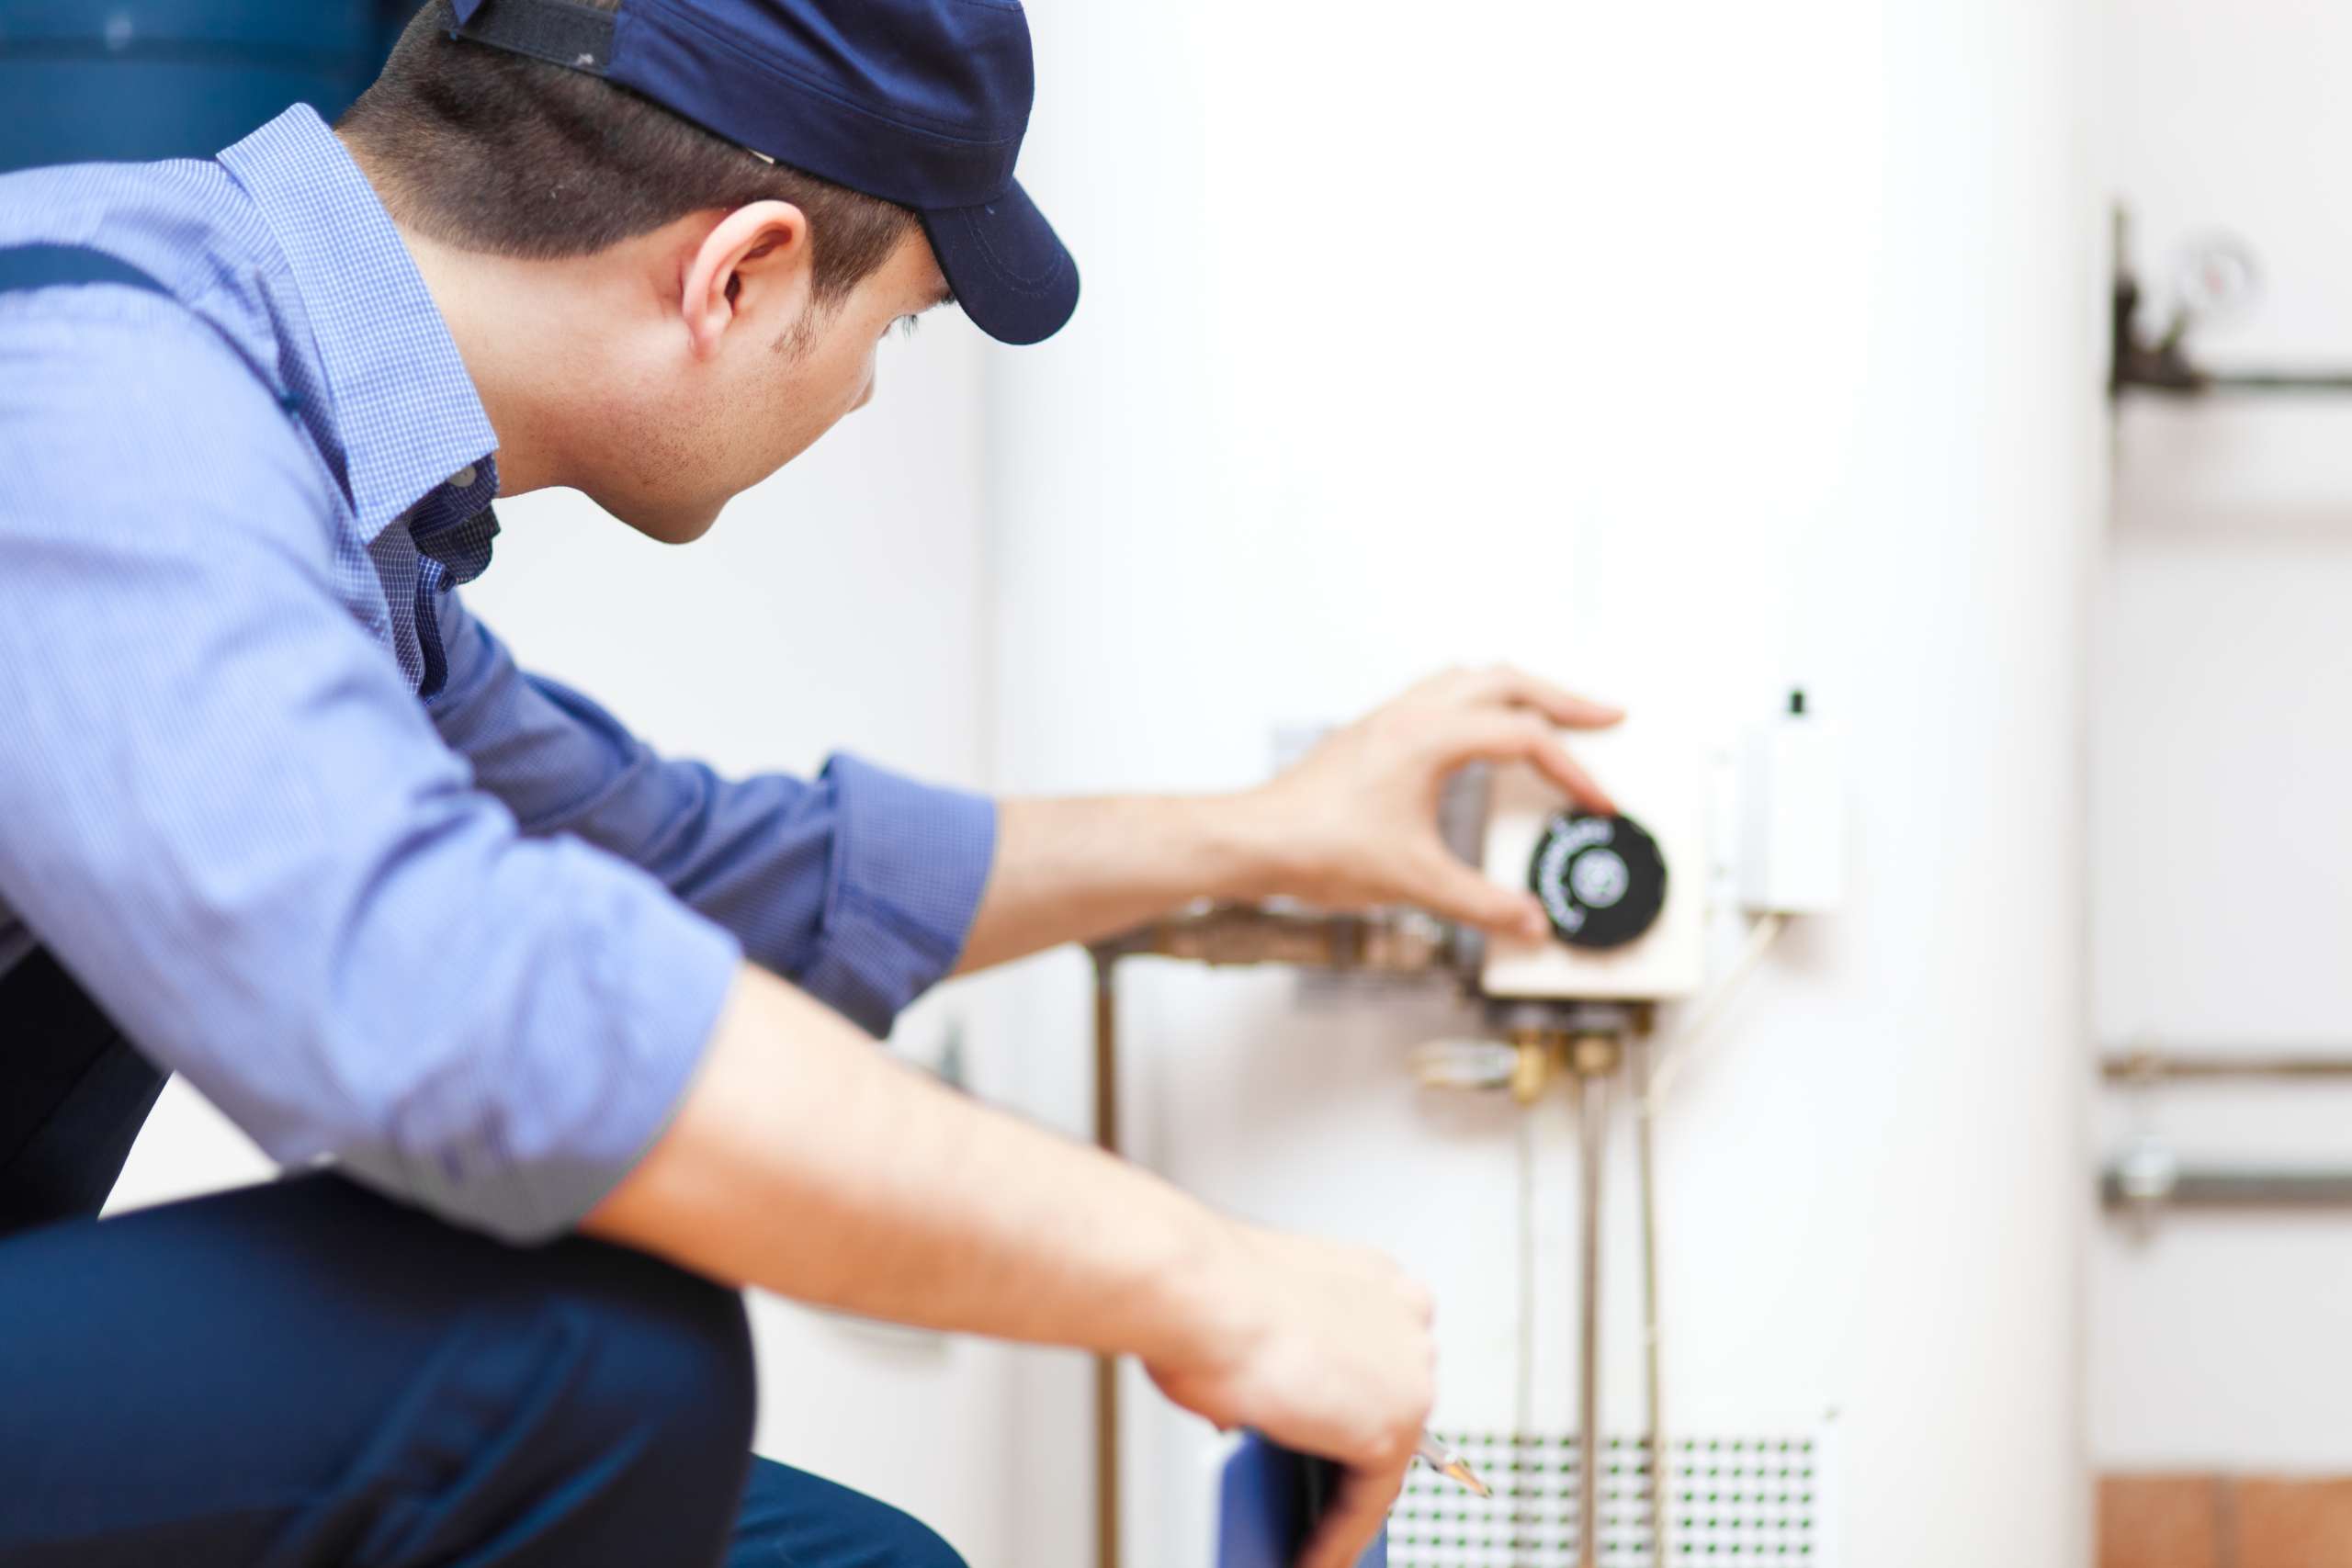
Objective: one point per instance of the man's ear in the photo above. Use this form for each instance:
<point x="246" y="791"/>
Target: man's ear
<point x="763" y="246"/>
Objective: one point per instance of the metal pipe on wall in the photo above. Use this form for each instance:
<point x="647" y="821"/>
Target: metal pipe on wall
<point x="1386" y="942"/>
<point x="1106" y="1368"/>
<point x="2151" y="1067"/>
<point x="1391" y="942"/>
<point x="1591" y="1057"/>
<point x="2128" y="1190"/>
<point x="1523" y="1378"/>
<point x="1652" y="1347"/>
<point x="1592" y="1042"/>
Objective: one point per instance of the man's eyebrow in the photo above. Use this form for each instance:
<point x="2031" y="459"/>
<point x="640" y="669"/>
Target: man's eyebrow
<point x="946" y="295"/>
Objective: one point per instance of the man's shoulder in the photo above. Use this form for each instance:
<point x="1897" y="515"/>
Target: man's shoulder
<point x="182" y="222"/>
<point x="75" y="342"/>
<point x="110" y="393"/>
<point x="169" y="217"/>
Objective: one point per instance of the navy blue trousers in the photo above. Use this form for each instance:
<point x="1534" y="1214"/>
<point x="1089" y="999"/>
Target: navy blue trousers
<point x="305" y="1375"/>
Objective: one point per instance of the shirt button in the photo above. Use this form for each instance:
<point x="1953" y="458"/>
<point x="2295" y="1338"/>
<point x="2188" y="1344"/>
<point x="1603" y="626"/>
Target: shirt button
<point x="462" y="478"/>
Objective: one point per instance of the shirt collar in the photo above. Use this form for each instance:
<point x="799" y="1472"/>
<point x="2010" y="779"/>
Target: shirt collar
<point x="404" y="408"/>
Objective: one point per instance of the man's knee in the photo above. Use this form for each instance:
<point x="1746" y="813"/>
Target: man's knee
<point x="790" y="1515"/>
<point x="602" y="1396"/>
<point x="666" y="1364"/>
<point x="626" y="1394"/>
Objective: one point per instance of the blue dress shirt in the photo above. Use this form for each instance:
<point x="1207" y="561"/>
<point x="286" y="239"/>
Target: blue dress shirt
<point x="292" y="815"/>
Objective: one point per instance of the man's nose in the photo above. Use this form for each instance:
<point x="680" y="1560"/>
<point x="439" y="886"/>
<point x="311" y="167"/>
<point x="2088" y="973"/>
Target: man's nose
<point x="866" y="396"/>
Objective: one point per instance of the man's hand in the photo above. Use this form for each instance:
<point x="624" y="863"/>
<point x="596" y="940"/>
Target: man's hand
<point x="1355" y="823"/>
<point x="1330" y="1354"/>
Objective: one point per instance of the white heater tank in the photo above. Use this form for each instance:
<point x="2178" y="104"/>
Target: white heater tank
<point x="1687" y="355"/>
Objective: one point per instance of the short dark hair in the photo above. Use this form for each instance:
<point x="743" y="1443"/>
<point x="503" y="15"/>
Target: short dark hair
<point x="491" y="152"/>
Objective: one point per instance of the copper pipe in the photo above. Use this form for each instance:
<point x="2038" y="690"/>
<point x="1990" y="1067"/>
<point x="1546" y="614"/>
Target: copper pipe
<point x="1653" y="1348"/>
<point x="1592" y="1131"/>
<point x="1106" y="1368"/>
<point x="1393" y="941"/>
<point x="1594" y="1057"/>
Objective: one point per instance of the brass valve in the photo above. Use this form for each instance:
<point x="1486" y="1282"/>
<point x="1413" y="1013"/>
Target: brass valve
<point x="1594" y="1054"/>
<point x="1536" y="1055"/>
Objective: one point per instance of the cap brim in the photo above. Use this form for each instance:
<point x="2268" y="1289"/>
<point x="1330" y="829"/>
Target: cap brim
<point x="1009" y="270"/>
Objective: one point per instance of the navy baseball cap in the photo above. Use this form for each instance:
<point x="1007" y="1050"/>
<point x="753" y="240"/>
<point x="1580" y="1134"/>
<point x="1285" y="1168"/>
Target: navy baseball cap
<point x="919" y="102"/>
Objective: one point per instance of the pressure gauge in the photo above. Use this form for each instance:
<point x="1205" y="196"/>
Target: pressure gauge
<point x="1601" y="879"/>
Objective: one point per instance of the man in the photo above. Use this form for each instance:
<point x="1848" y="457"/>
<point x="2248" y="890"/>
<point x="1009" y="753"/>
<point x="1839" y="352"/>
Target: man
<point x="580" y="1030"/>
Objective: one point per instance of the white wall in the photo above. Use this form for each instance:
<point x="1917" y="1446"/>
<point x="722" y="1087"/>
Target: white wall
<point x="1685" y="355"/>
<point x="2222" y="895"/>
<point x="837" y="606"/>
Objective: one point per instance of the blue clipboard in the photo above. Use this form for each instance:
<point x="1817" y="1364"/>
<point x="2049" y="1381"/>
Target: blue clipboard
<point x="1266" y="1500"/>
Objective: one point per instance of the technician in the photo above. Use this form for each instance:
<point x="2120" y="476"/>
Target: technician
<point x="580" y="1035"/>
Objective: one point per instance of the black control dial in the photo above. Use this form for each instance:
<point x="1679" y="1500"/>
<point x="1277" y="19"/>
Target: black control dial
<point x="1601" y="879"/>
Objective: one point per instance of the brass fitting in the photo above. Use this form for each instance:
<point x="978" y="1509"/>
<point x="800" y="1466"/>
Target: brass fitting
<point x="1595" y="1054"/>
<point x="1535" y="1054"/>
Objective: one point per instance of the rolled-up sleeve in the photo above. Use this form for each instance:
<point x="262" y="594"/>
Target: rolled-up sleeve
<point x="226" y="814"/>
<point x="859" y="886"/>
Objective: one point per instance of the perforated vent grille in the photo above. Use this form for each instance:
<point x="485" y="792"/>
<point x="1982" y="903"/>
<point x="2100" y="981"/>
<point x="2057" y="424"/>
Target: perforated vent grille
<point x="1732" y="1499"/>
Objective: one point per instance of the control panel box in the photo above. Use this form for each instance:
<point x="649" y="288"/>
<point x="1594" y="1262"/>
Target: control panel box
<point x="1627" y="895"/>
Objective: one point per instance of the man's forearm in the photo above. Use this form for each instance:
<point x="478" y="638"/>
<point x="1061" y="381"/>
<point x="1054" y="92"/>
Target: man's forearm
<point x="1350" y="826"/>
<point x="807" y="1162"/>
<point x="1076" y="869"/>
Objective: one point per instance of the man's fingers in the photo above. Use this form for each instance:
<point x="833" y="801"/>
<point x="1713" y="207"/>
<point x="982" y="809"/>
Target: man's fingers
<point x="1551" y="759"/>
<point x="1460" y="892"/>
<point x="1359" y="1508"/>
<point x="1506" y="686"/>
<point x="1521" y="736"/>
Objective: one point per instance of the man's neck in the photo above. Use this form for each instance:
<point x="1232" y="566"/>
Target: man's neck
<point x="485" y="304"/>
<point x="485" y="322"/>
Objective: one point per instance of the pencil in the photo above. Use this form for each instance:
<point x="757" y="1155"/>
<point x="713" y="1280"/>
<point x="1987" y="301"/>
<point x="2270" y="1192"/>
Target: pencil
<point x="1448" y="1464"/>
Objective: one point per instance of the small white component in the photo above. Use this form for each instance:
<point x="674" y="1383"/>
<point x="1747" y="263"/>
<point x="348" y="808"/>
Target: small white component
<point x="1793" y="814"/>
<point x="1660" y="781"/>
<point x="1465" y="1064"/>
